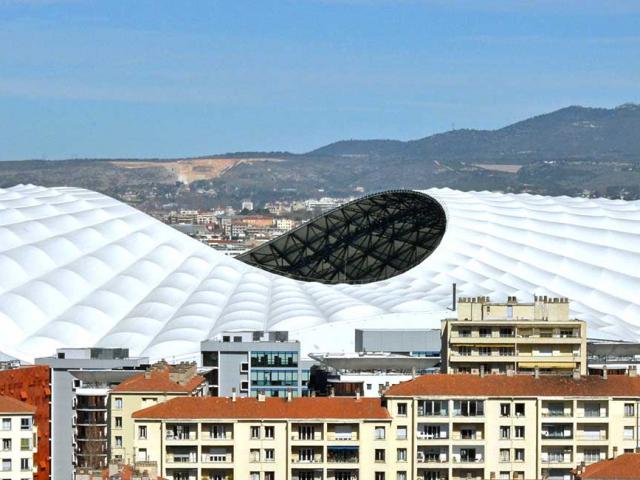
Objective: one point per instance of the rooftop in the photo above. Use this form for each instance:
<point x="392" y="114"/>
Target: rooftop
<point x="11" y="405"/>
<point x="517" y="386"/>
<point x="338" y="408"/>
<point x="160" y="380"/>
<point x="624" y="466"/>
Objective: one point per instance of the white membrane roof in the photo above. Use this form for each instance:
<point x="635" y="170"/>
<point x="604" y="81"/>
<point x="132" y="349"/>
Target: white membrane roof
<point x="78" y="268"/>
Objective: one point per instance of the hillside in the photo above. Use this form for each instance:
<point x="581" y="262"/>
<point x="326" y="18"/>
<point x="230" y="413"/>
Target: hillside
<point x="569" y="133"/>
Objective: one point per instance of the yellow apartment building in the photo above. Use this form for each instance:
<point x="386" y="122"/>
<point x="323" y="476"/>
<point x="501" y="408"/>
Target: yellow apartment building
<point x="159" y="384"/>
<point x="18" y="439"/>
<point x="513" y="337"/>
<point x="308" y="438"/>
<point x="516" y="427"/>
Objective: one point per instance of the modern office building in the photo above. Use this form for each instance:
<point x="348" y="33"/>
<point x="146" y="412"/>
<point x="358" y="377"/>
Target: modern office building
<point x="514" y="337"/>
<point x="18" y="434"/>
<point x="387" y="259"/>
<point x="81" y="379"/>
<point x="158" y="384"/>
<point x="516" y="427"/>
<point x="251" y="362"/>
<point x="616" y="357"/>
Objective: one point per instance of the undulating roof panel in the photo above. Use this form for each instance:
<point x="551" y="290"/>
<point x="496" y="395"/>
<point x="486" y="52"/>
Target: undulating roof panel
<point x="78" y="268"/>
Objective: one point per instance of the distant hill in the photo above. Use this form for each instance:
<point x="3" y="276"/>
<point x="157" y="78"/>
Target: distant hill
<point x="569" y="133"/>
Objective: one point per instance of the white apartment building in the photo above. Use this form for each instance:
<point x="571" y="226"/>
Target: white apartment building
<point x="18" y="437"/>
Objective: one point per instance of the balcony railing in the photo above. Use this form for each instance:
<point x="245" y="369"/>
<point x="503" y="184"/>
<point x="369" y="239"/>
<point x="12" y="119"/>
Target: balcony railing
<point x="217" y="458"/>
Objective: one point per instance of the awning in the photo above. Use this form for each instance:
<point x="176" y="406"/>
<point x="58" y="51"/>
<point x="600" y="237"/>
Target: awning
<point x="547" y="364"/>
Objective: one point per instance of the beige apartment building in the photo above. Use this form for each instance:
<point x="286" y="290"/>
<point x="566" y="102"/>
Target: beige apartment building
<point x="516" y="427"/>
<point x="308" y="438"/>
<point x="18" y="439"/>
<point x="434" y="427"/>
<point x="513" y="337"/>
<point x="159" y="384"/>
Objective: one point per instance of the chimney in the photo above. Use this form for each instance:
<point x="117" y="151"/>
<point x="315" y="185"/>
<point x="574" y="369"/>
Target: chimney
<point x="147" y="375"/>
<point x="536" y="372"/>
<point x="332" y="392"/>
<point x="233" y="394"/>
<point x="289" y="395"/>
<point x="633" y="372"/>
<point x="605" y="373"/>
<point x="576" y="374"/>
<point x="615" y="451"/>
<point x="481" y="371"/>
<point x="358" y="396"/>
<point x="261" y="397"/>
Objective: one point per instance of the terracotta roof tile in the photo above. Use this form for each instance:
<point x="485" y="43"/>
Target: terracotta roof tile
<point x="157" y="381"/>
<point x="11" y="405"/>
<point x="274" y="408"/>
<point x="518" y="386"/>
<point x="622" y="467"/>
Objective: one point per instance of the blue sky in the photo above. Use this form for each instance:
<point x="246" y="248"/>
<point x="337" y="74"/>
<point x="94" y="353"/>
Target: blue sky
<point x="167" y="78"/>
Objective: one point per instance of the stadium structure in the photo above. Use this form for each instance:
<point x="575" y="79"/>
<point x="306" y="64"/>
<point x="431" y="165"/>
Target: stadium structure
<point x="78" y="268"/>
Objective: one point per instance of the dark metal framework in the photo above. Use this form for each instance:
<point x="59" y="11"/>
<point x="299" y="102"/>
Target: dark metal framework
<point x="369" y="239"/>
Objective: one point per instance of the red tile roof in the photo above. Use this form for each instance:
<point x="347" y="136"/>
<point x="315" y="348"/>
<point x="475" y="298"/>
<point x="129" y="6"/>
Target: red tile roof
<point x="273" y="408"/>
<point x="622" y="467"/>
<point x="158" y="381"/>
<point x="11" y="405"/>
<point x="517" y="386"/>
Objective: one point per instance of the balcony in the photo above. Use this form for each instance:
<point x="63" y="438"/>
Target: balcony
<point x="342" y="437"/>
<point x="432" y="457"/>
<point x="342" y="455"/>
<point x="307" y="437"/>
<point x="182" y="458"/>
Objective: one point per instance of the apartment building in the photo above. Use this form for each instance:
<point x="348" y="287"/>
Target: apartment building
<point x="262" y="438"/>
<point x="512" y="336"/>
<point x="18" y="437"/>
<point x="515" y="427"/>
<point x="160" y="383"/>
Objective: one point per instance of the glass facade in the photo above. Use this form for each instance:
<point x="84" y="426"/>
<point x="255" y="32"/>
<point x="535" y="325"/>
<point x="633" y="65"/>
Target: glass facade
<point x="274" y="359"/>
<point x="274" y="378"/>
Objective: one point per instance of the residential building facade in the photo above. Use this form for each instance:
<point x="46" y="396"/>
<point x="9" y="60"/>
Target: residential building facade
<point x="512" y="336"/>
<point x="160" y="383"/>
<point x="18" y="437"/>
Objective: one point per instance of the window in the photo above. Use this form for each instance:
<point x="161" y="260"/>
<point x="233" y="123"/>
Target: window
<point x="379" y="455"/>
<point x="401" y="433"/>
<point x="6" y="444"/>
<point x="628" y="433"/>
<point x="592" y="455"/>
<point x="431" y="408"/>
<point x="506" y="332"/>
<point x="117" y="403"/>
<point x="504" y="455"/>
<point x="244" y="386"/>
<point x="485" y="332"/>
<point x="519" y="409"/>
<point x="509" y="311"/>
<point x="505" y="476"/>
<point x="468" y="408"/>
<point x="519" y="454"/>
<point x="369" y="386"/>
<point x="25" y="444"/>
<point x="465" y="332"/>
<point x="25" y="424"/>
<point x="269" y="475"/>
<point x="269" y="454"/>
<point x="518" y="431"/>
<point x="592" y="410"/>
<point x="255" y="433"/>
<point x="402" y="409"/>
<point x="379" y="476"/>
<point x="401" y="476"/>
<point x="254" y="476"/>
<point x="118" y="441"/>
<point x="505" y="432"/>
<point x="142" y="455"/>
<point x="306" y="432"/>
<point x="254" y="455"/>
<point x="629" y="409"/>
<point x="379" y="433"/>
<point x="142" y="432"/>
<point x="244" y="367"/>
<point x="505" y="409"/>
<point x="401" y="454"/>
<point x="118" y="422"/>
<point x="6" y="424"/>
<point x="25" y="464"/>
<point x="6" y="464"/>
<point x="269" y="432"/>
<point x="484" y="351"/>
<point x="464" y="351"/>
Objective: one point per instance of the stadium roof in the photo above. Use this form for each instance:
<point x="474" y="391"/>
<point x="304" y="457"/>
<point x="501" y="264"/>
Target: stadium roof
<point x="83" y="269"/>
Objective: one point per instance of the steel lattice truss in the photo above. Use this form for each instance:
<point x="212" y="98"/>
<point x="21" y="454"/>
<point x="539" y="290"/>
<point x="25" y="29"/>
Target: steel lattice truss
<point x="370" y="239"/>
